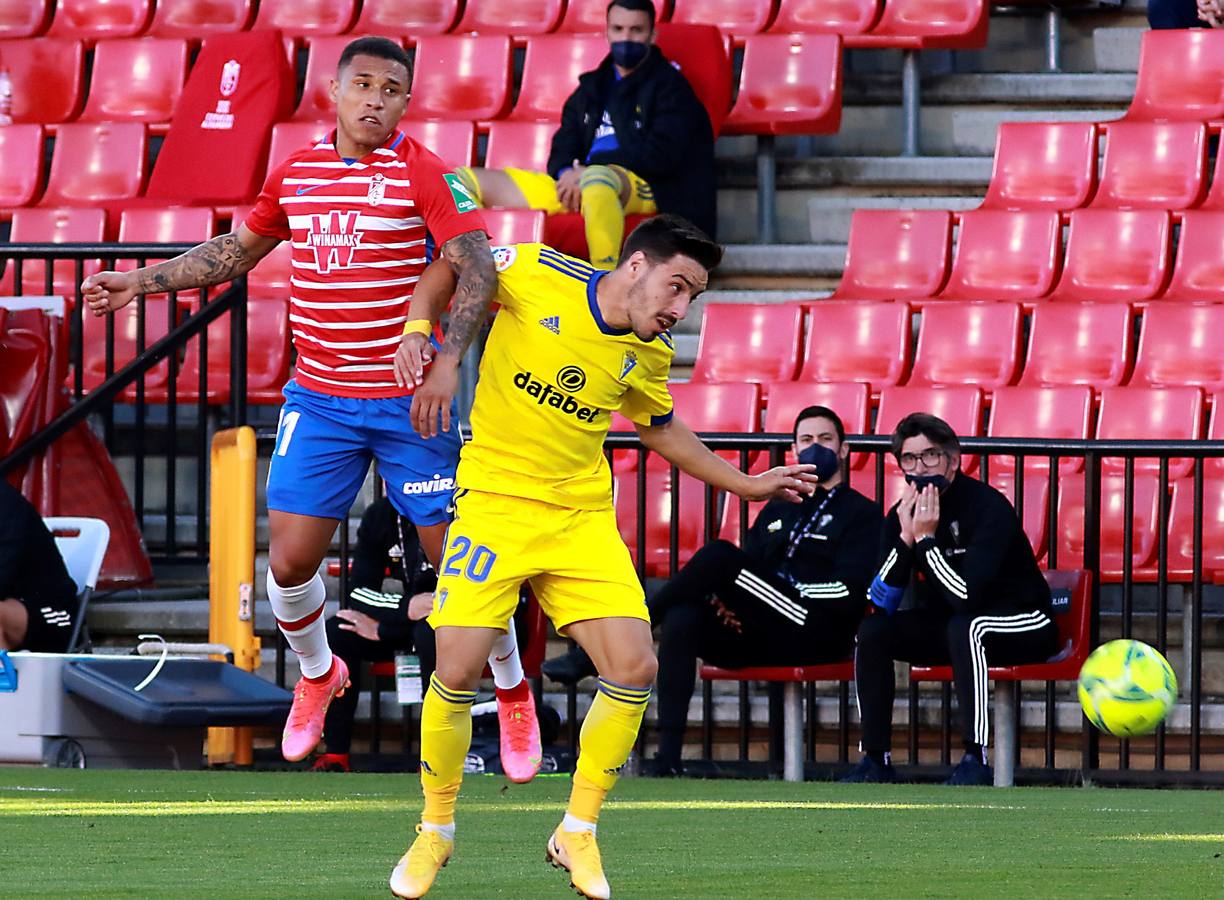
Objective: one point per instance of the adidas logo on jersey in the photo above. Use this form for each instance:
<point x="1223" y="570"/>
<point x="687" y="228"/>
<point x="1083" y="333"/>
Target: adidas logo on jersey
<point x="547" y="394"/>
<point x="552" y="323"/>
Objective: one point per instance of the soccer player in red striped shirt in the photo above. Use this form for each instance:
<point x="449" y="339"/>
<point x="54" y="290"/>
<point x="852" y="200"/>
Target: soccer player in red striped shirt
<point x="365" y="209"/>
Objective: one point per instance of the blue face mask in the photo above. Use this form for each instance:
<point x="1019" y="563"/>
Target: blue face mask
<point x="921" y="481"/>
<point x="825" y="460"/>
<point x="628" y="54"/>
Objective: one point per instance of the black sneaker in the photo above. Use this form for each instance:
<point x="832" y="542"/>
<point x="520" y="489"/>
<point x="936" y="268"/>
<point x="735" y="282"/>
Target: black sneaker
<point x="971" y="771"/>
<point x="868" y="771"/>
<point x="659" y="767"/>
<point x="569" y="668"/>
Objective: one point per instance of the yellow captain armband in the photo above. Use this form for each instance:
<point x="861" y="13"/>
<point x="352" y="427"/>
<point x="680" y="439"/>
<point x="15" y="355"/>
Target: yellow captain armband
<point x="418" y="326"/>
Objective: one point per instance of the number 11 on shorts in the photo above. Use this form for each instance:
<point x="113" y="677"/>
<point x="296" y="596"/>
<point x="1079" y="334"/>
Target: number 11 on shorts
<point x="479" y="558"/>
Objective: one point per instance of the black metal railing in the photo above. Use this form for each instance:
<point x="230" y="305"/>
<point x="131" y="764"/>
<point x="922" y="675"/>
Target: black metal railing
<point x="116" y="396"/>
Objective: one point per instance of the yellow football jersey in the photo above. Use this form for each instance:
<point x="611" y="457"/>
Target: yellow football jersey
<point x="551" y="374"/>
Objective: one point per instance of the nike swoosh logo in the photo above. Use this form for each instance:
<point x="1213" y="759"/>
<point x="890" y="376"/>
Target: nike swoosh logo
<point x="504" y="658"/>
<point x="308" y="189"/>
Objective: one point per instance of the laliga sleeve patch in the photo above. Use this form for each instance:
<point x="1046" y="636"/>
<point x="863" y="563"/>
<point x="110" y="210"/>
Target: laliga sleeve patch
<point x="464" y="201"/>
<point x="503" y="257"/>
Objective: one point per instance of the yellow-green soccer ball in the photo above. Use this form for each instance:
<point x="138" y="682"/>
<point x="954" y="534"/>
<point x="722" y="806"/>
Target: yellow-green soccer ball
<point x="1126" y="688"/>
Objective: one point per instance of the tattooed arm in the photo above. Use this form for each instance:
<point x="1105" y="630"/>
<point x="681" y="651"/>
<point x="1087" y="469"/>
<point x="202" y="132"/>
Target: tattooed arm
<point x="471" y="260"/>
<point x="212" y="262"/>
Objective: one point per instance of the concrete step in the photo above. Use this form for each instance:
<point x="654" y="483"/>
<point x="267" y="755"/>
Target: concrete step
<point x="1116" y="49"/>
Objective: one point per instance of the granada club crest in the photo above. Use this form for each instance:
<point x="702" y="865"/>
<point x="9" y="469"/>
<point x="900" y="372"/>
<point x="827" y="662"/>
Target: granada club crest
<point x="333" y="240"/>
<point x="229" y="77"/>
<point x="378" y="186"/>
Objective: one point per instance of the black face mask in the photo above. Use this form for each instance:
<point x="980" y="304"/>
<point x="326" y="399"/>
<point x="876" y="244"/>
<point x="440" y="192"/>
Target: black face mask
<point x="921" y="481"/>
<point x="628" y="54"/>
<point x="825" y="460"/>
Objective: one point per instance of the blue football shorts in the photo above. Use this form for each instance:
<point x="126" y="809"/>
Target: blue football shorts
<point x="324" y="445"/>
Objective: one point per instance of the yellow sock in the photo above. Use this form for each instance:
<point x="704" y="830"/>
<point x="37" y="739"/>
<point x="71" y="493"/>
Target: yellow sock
<point x="602" y="215"/>
<point x="472" y="183"/>
<point x="446" y="735"/>
<point x="608" y="734"/>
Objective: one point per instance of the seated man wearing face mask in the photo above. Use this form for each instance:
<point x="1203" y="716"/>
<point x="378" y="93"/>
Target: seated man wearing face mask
<point x="977" y="596"/>
<point x="793" y="596"/>
<point x="634" y="139"/>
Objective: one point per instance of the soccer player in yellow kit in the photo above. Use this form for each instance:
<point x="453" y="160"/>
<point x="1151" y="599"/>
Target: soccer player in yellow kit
<point x="570" y="344"/>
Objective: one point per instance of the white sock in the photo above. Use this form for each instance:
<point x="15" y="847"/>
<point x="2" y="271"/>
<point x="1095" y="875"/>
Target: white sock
<point x="447" y="831"/>
<point x="569" y="823"/>
<point x="504" y="660"/>
<point x="303" y="603"/>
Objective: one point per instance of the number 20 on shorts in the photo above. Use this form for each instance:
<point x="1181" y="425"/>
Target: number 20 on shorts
<point x="479" y="558"/>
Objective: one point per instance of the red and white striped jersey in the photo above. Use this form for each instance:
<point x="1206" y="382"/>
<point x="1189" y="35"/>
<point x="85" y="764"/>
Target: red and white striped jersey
<point x="362" y="233"/>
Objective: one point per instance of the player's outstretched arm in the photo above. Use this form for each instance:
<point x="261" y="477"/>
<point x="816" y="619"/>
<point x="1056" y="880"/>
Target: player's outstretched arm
<point x="676" y="443"/>
<point x="212" y="262"/>
<point x="471" y="260"/>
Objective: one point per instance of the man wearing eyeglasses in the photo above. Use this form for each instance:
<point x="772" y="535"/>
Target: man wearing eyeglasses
<point x="977" y="596"/>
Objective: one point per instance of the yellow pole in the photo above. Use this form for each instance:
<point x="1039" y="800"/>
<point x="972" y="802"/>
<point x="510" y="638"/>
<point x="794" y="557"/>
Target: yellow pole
<point x="231" y="574"/>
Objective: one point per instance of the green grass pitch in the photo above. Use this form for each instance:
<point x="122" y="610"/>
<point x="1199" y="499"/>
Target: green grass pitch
<point x="259" y="834"/>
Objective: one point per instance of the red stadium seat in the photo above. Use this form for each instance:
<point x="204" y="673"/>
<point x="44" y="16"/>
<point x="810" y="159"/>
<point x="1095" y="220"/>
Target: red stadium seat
<point x="25" y="348"/>
<point x="23" y="18"/>
<point x="1181" y="344"/>
<point x="53" y="226"/>
<point x="917" y="24"/>
<point x="896" y="254"/>
<point x="1153" y="165"/>
<point x="737" y="17"/>
<point x="196" y="19"/>
<point x="313" y="18"/>
<point x="703" y="55"/>
<point x="958" y="405"/>
<point x="289" y="137"/>
<point x="136" y="80"/>
<point x="825" y="17"/>
<point x="1050" y="413"/>
<point x="517" y="17"/>
<point x="1035" y="517"/>
<point x="519" y="145"/>
<point x="850" y="400"/>
<point x="1181" y="532"/>
<point x="850" y="340"/>
<point x="1005" y="255"/>
<point x="1180" y="73"/>
<point x="789" y="84"/>
<point x="756" y="342"/>
<point x="316" y="104"/>
<point x="1079" y="343"/>
<point x="461" y="77"/>
<point x="718" y="407"/>
<point x="550" y="73"/>
<point x="514" y="226"/>
<point x="407" y="18"/>
<point x="21" y="176"/>
<point x="48" y="79"/>
<point x="968" y="343"/>
<point x="96" y="20"/>
<point x="1215" y="195"/>
<point x="592" y="15"/>
<point x="1198" y="274"/>
<point x="267" y="357"/>
<point x="96" y="162"/>
<point x="1116" y="255"/>
<point x="690" y="523"/>
<point x="1156" y="414"/>
<point x="1144" y="516"/>
<point x="165" y="225"/>
<point x="1043" y="165"/>
<point x="453" y="142"/>
<point x="93" y="359"/>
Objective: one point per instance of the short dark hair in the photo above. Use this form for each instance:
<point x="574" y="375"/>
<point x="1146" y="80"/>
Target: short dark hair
<point x="819" y="412"/>
<point x="645" y="6"/>
<point x="381" y="47"/>
<point x="662" y="237"/>
<point x="933" y="428"/>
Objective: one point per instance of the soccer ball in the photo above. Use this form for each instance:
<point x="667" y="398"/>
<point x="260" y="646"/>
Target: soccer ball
<point x="1126" y="688"/>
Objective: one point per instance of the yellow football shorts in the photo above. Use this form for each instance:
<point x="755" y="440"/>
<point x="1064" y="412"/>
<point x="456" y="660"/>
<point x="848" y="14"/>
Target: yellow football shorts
<point x="575" y="560"/>
<point x="540" y="190"/>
